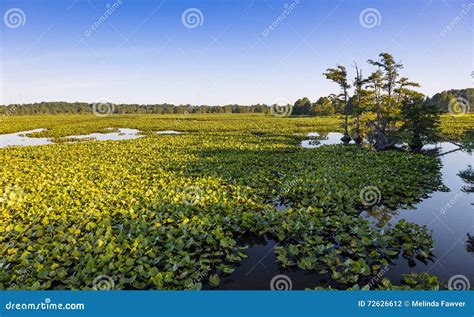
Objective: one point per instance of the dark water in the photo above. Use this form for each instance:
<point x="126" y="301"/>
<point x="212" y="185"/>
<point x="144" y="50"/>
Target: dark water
<point x="450" y="216"/>
<point x="260" y="267"/>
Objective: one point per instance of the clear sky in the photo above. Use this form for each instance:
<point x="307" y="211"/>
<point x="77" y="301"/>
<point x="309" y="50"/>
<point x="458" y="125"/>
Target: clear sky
<point x="223" y="52"/>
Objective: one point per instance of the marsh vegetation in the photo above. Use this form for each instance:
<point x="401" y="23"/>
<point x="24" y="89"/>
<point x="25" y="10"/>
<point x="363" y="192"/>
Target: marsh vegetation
<point x="157" y="211"/>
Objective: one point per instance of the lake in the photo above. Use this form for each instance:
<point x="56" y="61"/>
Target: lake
<point x="450" y="216"/>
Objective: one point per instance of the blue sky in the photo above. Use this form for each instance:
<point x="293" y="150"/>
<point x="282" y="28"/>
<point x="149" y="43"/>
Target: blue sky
<point x="142" y="52"/>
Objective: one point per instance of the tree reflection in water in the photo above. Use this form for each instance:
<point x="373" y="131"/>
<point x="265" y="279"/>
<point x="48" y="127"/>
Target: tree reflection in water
<point x="467" y="177"/>
<point x="470" y="244"/>
<point x="382" y="215"/>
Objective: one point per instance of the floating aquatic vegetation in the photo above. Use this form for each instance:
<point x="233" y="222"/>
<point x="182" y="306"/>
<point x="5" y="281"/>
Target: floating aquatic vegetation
<point x="156" y="212"/>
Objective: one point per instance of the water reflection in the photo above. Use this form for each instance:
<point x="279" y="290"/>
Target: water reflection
<point x="22" y="139"/>
<point x="168" y="132"/>
<point x="380" y="216"/>
<point x="470" y="244"/>
<point x="122" y="134"/>
<point x="318" y="139"/>
<point x="259" y="268"/>
<point x="467" y="177"/>
<point x="448" y="214"/>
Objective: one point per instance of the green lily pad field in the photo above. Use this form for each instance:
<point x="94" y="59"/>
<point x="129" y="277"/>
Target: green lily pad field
<point x="170" y="211"/>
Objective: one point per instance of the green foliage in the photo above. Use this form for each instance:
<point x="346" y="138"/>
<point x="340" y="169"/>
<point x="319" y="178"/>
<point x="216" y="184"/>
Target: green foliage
<point x="458" y="128"/>
<point x="414" y="281"/>
<point x="156" y="212"/>
<point x="420" y="121"/>
<point x="396" y="109"/>
<point x="339" y="76"/>
<point x="467" y="176"/>
<point x="214" y="280"/>
<point x="467" y="140"/>
<point x="442" y="99"/>
<point x="85" y="108"/>
<point x="302" y="107"/>
<point x="323" y="107"/>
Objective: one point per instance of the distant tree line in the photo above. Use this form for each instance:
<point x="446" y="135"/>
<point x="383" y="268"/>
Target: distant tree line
<point x="328" y="105"/>
<point x="84" y="108"/>
<point x="333" y="104"/>
<point x="443" y="99"/>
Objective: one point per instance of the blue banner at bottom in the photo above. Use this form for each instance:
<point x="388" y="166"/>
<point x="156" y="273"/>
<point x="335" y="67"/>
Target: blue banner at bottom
<point x="237" y="303"/>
